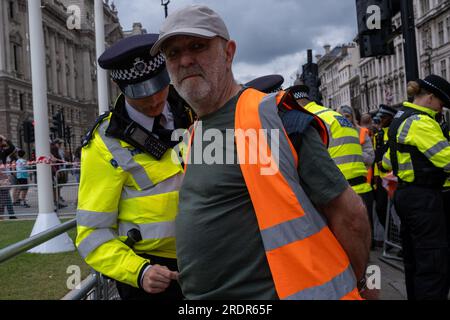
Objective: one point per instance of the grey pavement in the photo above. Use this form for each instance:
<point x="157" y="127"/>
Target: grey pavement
<point x="392" y="278"/>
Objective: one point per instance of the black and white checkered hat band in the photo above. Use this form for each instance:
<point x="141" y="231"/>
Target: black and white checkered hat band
<point x="300" y="95"/>
<point x="436" y="88"/>
<point x="145" y="68"/>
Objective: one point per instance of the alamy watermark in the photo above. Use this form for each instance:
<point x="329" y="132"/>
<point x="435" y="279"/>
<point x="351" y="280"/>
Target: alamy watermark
<point x="373" y="277"/>
<point x="74" y="280"/>
<point x="73" y="21"/>
<point x="373" y="21"/>
<point x="213" y="146"/>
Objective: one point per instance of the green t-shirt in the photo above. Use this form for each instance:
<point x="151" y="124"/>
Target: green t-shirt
<point x="219" y="247"/>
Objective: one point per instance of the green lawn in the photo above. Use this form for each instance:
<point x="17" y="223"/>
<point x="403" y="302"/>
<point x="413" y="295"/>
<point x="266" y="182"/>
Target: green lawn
<point x="34" y="276"/>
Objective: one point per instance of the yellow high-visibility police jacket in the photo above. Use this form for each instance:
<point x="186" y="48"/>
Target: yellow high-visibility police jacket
<point x="344" y="147"/>
<point x="122" y="188"/>
<point x="423" y="153"/>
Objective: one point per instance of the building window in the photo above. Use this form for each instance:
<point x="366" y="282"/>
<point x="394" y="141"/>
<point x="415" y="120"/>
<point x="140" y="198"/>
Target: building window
<point x="11" y="11"/>
<point x="426" y="39"/>
<point x="21" y="102"/>
<point x="448" y="29"/>
<point x="425" y="6"/>
<point x="444" y="69"/>
<point x="441" y="33"/>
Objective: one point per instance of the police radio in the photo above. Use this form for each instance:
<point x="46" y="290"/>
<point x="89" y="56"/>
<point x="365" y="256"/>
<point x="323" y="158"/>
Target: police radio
<point x="145" y="140"/>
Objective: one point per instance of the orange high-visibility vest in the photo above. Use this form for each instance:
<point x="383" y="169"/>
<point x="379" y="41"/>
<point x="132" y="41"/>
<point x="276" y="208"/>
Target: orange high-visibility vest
<point x="305" y="258"/>
<point x="363" y="132"/>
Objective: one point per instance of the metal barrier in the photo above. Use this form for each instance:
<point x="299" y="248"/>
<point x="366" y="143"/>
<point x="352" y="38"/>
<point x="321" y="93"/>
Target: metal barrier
<point x="65" y="194"/>
<point x="392" y="238"/>
<point x="95" y="287"/>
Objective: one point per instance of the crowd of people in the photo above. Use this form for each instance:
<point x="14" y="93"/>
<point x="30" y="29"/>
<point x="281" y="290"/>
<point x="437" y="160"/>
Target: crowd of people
<point x="18" y="172"/>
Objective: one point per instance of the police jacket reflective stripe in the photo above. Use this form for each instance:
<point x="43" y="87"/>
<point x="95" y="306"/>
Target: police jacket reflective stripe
<point x="291" y="228"/>
<point x="418" y="151"/>
<point x="123" y="188"/>
<point x="344" y="147"/>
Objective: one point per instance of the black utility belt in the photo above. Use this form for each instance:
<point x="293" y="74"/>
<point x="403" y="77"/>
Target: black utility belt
<point x="357" y="181"/>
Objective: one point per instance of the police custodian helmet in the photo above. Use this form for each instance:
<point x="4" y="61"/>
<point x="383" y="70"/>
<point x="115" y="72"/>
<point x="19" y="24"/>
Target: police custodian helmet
<point x="133" y="68"/>
<point x="267" y="84"/>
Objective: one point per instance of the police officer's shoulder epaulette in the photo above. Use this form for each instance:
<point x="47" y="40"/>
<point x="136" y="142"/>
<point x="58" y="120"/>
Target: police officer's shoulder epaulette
<point x="88" y="136"/>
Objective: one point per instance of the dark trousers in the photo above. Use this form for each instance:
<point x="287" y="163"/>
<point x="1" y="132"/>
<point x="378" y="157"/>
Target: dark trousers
<point x="172" y="293"/>
<point x="424" y="240"/>
<point x="446" y="196"/>
<point x="368" y="201"/>
<point x="5" y="202"/>
<point x="381" y="201"/>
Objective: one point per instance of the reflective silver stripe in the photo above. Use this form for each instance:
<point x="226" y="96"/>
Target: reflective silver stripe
<point x="159" y="230"/>
<point x="406" y="128"/>
<point x="321" y="112"/>
<point x="436" y="149"/>
<point x="348" y="159"/>
<point x="289" y="232"/>
<point x="125" y="159"/>
<point x="166" y="186"/>
<point x="97" y="220"/>
<point x="95" y="240"/>
<point x="335" y="289"/>
<point x="313" y="221"/>
<point x="387" y="161"/>
<point x="341" y="141"/>
<point x="405" y="166"/>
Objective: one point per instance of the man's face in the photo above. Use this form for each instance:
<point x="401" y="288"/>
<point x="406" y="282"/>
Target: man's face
<point x="197" y="66"/>
<point x="151" y="106"/>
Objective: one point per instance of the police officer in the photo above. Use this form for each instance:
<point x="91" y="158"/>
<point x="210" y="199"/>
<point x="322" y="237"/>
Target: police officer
<point x="419" y="155"/>
<point x="267" y="84"/>
<point x="385" y="115"/>
<point x="128" y="194"/>
<point x="344" y="147"/>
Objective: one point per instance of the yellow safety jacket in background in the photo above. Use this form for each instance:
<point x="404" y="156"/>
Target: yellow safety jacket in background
<point x="122" y="188"/>
<point x="419" y="135"/>
<point x="344" y="147"/>
<point x="376" y="171"/>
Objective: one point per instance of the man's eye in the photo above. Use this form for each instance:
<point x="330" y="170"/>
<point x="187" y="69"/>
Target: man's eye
<point x="170" y="54"/>
<point x="198" y="46"/>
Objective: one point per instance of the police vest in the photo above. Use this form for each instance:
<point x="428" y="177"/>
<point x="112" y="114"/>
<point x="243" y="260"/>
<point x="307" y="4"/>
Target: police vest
<point x="305" y="258"/>
<point x="344" y="148"/>
<point x="409" y="164"/>
<point x="123" y="188"/>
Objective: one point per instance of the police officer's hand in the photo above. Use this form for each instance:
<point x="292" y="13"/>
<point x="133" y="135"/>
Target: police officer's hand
<point x="157" y="279"/>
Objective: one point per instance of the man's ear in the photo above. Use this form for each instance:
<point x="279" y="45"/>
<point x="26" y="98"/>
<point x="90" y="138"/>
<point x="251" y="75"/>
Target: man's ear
<point x="230" y="51"/>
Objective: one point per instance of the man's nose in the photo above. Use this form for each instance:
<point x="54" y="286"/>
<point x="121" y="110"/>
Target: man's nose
<point x="186" y="58"/>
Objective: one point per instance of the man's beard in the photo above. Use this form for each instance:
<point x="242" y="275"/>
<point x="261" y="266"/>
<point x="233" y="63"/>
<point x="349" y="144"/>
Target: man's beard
<point x="196" y="90"/>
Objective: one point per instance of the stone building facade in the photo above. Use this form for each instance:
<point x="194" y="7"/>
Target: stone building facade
<point x="70" y="60"/>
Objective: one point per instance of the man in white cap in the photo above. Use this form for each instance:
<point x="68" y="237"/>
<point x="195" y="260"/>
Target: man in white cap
<point x="242" y="234"/>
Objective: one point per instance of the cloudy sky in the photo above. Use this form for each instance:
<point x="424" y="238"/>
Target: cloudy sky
<point x="272" y="35"/>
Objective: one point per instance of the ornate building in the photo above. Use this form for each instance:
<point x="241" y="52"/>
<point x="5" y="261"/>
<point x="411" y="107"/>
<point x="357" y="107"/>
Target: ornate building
<point x="337" y="72"/>
<point x="70" y="60"/>
<point x="382" y="80"/>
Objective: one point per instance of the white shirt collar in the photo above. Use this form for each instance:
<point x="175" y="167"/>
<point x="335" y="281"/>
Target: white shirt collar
<point x="146" y="121"/>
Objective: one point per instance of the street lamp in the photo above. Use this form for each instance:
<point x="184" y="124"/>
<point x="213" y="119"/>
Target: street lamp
<point x="165" y="4"/>
<point x="366" y="77"/>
